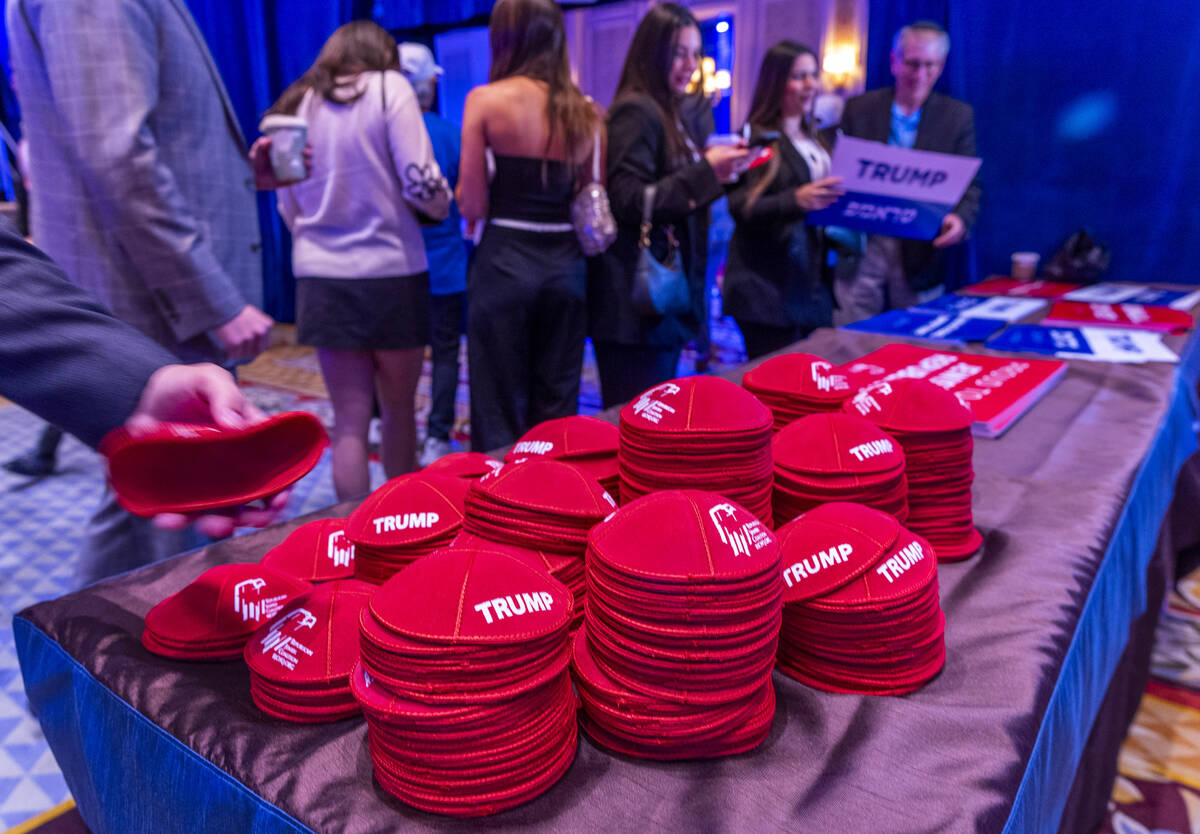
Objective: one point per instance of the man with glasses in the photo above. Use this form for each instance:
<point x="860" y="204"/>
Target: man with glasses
<point x="895" y="273"/>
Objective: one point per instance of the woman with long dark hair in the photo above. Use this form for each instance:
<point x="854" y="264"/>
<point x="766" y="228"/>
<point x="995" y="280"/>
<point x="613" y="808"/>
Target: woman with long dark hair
<point x="526" y="313"/>
<point x="773" y="277"/>
<point x="649" y="144"/>
<point x="362" y="287"/>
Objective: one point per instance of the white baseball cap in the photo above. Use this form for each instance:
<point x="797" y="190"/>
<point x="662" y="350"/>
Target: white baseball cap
<point x="416" y="62"/>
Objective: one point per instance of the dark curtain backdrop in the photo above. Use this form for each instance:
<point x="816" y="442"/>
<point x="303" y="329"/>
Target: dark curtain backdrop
<point x="261" y="46"/>
<point x="1085" y="116"/>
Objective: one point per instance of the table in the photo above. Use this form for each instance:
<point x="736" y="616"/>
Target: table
<point x="1069" y="500"/>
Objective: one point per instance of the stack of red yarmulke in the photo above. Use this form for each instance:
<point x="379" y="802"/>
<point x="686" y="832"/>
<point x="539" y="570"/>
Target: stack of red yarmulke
<point x="469" y="465"/>
<point x="213" y="616"/>
<point x="405" y="519"/>
<point x="300" y="662"/>
<point x="935" y="430"/>
<point x="543" y="505"/>
<point x="318" y="551"/>
<point x="586" y="442"/>
<point x="698" y="432"/>
<point x="797" y="384"/>
<point x="837" y="457"/>
<point x="861" y="609"/>
<point x="684" y="603"/>
<point x="464" y="682"/>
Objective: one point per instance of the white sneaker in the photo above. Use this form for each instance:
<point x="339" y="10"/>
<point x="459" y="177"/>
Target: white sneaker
<point x="433" y="449"/>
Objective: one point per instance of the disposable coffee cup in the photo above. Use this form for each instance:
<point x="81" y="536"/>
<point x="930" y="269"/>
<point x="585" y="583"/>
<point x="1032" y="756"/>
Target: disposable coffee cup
<point x="288" y="136"/>
<point x="1024" y="265"/>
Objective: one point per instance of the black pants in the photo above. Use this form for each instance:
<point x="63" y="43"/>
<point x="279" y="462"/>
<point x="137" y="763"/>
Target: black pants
<point x="447" y="322"/>
<point x="628" y="370"/>
<point x="762" y="339"/>
<point x="526" y="321"/>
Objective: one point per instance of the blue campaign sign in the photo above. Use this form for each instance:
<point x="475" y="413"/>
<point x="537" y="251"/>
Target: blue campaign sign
<point x="1036" y="338"/>
<point x="894" y="191"/>
<point x="934" y="327"/>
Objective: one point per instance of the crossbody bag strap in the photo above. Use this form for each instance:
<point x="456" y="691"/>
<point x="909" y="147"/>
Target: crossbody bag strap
<point x="596" y="155"/>
<point x="647" y="213"/>
<point x="387" y="134"/>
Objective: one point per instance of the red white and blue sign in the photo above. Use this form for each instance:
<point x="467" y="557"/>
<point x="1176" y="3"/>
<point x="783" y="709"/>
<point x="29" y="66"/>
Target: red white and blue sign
<point x="894" y="191"/>
<point x="933" y="327"/>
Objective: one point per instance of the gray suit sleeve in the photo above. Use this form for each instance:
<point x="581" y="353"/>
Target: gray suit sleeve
<point x="62" y="356"/>
<point x="101" y="58"/>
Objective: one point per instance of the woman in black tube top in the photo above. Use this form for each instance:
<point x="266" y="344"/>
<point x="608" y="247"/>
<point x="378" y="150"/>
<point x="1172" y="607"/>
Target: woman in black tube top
<point x="526" y="286"/>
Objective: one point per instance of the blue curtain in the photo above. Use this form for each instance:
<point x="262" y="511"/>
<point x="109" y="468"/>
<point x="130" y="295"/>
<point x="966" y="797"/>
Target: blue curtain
<point x="261" y="46"/>
<point x="1085" y="118"/>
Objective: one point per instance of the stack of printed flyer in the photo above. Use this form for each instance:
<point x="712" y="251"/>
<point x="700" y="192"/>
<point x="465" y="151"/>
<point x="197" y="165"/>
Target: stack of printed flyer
<point x="997" y="389"/>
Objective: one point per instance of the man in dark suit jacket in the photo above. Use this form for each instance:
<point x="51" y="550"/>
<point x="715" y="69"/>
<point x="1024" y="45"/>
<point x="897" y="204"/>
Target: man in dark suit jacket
<point x="893" y="272"/>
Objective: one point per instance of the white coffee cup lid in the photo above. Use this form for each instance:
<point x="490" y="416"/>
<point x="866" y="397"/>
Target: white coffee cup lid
<point x="1026" y="257"/>
<point x="278" y="121"/>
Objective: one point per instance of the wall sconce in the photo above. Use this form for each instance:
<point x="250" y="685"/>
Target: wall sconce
<point x="841" y="64"/>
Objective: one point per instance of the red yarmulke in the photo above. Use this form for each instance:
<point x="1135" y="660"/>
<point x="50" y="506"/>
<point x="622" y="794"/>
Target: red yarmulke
<point x="409" y="510"/>
<point x="314" y="640"/>
<point x="184" y="468"/>
<point x="832" y="545"/>
<point x="566" y="438"/>
<point x="910" y="405"/>
<point x="696" y="405"/>
<point x="801" y="375"/>
<point x="837" y="444"/>
<point x="319" y="551"/>
<point x="214" y="615"/>
<point x="543" y="485"/>
<point x="469" y="465"/>
<point x="683" y="536"/>
<point x="472" y="596"/>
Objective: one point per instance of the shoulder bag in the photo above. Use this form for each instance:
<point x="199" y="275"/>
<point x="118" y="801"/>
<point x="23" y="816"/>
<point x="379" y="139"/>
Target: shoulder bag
<point x="591" y="214"/>
<point x="659" y="289"/>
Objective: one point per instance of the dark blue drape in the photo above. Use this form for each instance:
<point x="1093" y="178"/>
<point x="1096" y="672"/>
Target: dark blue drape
<point x="261" y="46"/>
<point x="1085" y="117"/>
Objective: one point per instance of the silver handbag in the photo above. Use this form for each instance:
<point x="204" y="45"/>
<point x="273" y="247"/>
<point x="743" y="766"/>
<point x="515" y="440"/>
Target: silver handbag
<point x="591" y="214"/>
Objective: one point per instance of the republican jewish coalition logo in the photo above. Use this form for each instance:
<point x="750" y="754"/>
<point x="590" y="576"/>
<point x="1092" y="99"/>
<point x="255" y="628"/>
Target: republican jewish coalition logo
<point x="740" y="537"/>
<point x="649" y="405"/>
<point x="340" y="549"/>
<point x="250" y="603"/>
<point x="282" y="640"/>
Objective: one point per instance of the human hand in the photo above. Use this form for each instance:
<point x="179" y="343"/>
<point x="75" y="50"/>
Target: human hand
<point x="260" y="161"/>
<point x="953" y="230"/>
<point x="728" y="161"/>
<point x="206" y="395"/>
<point x="814" y="196"/>
<point x="245" y="335"/>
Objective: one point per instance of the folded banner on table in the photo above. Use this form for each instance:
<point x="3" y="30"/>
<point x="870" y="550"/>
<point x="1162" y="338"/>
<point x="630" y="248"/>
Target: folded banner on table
<point x="998" y="390"/>
<point x="1130" y="316"/>
<point x="1096" y="343"/>
<point x="996" y="307"/>
<point x="1003" y="285"/>
<point x="933" y="327"/>
<point x="1114" y="293"/>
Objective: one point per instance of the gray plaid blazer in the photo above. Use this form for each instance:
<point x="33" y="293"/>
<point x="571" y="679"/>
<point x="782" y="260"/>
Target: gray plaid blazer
<point x="140" y="186"/>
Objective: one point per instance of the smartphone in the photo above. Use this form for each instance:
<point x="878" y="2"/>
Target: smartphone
<point x="761" y="138"/>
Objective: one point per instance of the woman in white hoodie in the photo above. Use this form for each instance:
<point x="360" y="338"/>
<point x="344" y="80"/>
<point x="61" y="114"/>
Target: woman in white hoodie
<point x="362" y="282"/>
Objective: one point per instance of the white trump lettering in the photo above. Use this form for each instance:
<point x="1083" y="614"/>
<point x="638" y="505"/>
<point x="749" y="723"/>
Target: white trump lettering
<point x="404" y="521"/>
<point x="904" y="559"/>
<point x="514" y="605"/>
<point x="813" y="564"/>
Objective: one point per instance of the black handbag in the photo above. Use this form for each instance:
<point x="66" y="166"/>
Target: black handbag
<point x="659" y="289"/>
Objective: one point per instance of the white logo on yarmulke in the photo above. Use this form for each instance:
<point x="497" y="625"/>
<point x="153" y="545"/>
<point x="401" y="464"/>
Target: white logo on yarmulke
<point x="650" y="408"/>
<point x="830" y="382"/>
<point x="285" y="649"/>
<point x="864" y="401"/>
<point x="405" y="521"/>
<point x="256" y="609"/>
<point x="741" y="537"/>
<point x="533" y="447"/>
<point x="340" y="550"/>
